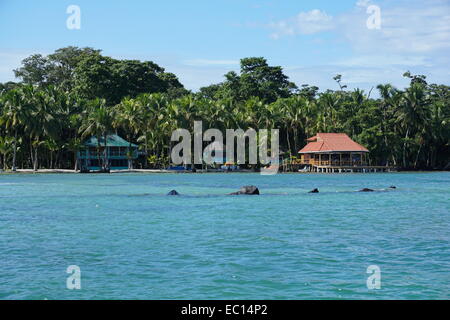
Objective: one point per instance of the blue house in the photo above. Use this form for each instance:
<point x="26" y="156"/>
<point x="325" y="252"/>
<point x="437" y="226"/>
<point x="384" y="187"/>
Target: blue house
<point x="119" y="154"/>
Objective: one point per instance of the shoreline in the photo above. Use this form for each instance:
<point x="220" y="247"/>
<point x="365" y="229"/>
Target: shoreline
<point x="163" y="171"/>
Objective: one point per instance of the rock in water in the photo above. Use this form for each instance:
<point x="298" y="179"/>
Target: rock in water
<point x="173" y="193"/>
<point x="366" y="190"/>
<point x="314" y="191"/>
<point x="247" y="190"/>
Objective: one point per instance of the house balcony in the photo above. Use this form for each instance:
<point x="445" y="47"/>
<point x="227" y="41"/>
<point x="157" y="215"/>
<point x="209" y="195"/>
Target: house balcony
<point x="119" y="155"/>
<point x="333" y="163"/>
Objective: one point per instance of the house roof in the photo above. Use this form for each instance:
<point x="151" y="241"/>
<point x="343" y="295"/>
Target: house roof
<point x="112" y="140"/>
<point x="332" y="142"/>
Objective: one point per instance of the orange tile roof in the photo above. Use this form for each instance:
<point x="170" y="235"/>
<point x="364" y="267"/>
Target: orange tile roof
<point x="332" y="142"/>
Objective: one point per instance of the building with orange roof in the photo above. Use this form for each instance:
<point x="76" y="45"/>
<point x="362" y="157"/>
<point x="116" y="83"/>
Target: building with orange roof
<point x="327" y="152"/>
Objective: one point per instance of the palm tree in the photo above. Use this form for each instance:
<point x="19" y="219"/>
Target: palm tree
<point x="413" y="114"/>
<point x="14" y="117"/>
<point x="71" y="119"/>
<point x="41" y="123"/>
<point x="155" y="117"/>
<point x="98" y="123"/>
<point x="129" y="118"/>
<point x="5" y="149"/>
<point x="390" y="99"/>
<point x="294" y="117"/>
<point x="74" y="145"/>
<point x="438" y="130"/>
<point x="328" y="103"/>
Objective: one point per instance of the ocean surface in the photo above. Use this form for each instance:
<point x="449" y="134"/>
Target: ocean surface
<point x="131" y="241"/>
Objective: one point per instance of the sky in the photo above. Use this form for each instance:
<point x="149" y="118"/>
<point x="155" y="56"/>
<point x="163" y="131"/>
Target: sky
<point x="201" y="40"/>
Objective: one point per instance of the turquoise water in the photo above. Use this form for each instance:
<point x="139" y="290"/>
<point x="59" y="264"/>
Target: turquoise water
<point x="133" y="242"/>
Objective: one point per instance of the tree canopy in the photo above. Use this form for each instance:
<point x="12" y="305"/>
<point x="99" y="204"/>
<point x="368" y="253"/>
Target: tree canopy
<point x="91" y="75"/>
<point x="75" y="93"/>
<point x="257" y="79"/>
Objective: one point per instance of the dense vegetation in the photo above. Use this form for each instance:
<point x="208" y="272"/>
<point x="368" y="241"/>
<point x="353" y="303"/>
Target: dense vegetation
<point x="74" y="93"/>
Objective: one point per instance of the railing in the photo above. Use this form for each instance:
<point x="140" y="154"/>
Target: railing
<point x="333" y="163"/>
<point x="111" y="154"/>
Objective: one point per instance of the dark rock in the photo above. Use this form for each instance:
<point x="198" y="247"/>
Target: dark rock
<point x="247" y="190"/>
<point x="314" y="191"/>
<point x="366" y="190"/>
<point x="173" y="193"/>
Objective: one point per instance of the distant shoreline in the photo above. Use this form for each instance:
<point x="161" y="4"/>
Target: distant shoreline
<point x="161" y="171"/>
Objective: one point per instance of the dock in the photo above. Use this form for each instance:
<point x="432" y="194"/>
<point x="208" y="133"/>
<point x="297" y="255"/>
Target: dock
<point x="349" y="169"/>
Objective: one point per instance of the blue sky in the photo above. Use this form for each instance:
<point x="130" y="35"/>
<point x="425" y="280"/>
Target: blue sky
<point x="201" y="40"/>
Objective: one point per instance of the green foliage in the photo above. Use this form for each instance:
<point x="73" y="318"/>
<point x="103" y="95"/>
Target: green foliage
<point x="257" y="79"/>
<point x="91" y="75"/>
<point x="76" y="93"/>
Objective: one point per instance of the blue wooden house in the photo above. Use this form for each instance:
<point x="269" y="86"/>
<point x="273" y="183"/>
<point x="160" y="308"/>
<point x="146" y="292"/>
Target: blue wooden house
<point x="119" y="154"/>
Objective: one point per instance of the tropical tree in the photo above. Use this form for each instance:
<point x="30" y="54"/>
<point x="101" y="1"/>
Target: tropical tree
<point x="14" y="117"/>
<point x="413" y="115"/>
<point x="98" y="122"/>
<point x="5" y="149"/>
<point x="41" y="124"/>
<point x="129" y="117"/>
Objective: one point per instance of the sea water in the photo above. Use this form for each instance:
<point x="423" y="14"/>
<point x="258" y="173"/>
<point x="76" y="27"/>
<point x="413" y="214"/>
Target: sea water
<point x="131" y="241"/>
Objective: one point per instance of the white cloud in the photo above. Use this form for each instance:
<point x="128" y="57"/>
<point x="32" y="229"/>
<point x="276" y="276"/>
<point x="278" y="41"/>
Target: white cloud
<point x="414" y="35"/>
<point x="411" y="28"/>
<point x="310" y="22"/>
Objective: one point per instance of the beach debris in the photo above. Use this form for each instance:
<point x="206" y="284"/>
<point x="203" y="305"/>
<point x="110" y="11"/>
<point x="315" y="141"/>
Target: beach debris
<point x="246" y="190"/>
<point x="314" y="191"/>
<point x="173" y="193"/>
<point x="366" y="190"/>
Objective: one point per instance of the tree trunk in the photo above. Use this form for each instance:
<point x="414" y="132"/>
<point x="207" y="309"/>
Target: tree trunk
<point x="146" y="151"/>
<point x="288" y="142"/>
<point x="98" y="152"/>
<point x="14" y="152"/>
<point x="130" y="161"/>
<point x="31" y="153"/>
<point x="35" y="164"/>
<point x="296" y="140"/>
<point x="404" y="148"/>
<point x="55" y="163"/>
<point x="417" y="157"/>
<point x="105" y="153"/>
